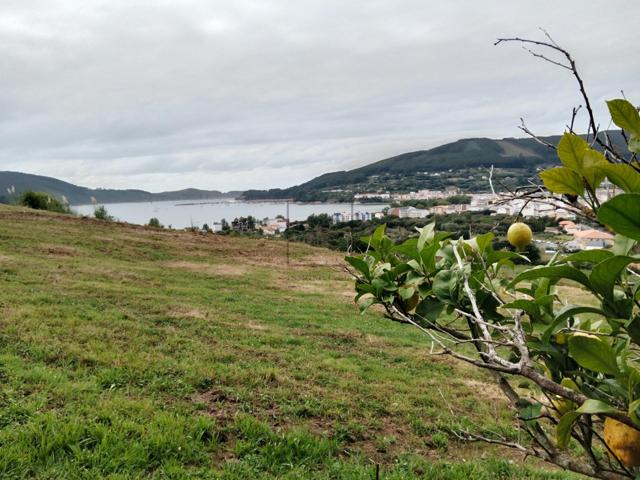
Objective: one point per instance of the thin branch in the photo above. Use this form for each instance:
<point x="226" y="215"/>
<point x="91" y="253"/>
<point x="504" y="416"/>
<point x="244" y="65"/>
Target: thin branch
<point x="525" y="129"/>
<point x="572" y="67"/>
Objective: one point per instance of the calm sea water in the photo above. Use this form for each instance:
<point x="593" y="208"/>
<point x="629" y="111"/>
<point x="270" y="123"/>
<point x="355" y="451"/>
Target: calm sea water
<point x="184" y="214"/>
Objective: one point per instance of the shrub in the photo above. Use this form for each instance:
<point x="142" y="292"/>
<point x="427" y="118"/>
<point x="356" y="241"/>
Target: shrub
<point x="101" y="214"/>
<point x="155" y="223"/>
<point x="42" y="201"/>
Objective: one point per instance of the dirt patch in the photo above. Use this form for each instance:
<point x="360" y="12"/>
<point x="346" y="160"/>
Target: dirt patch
<point x="330" y="286"/>
<point x="189" y="313"/>
<point x="220" y="405"/>
<point x="224" y="270"/>
<point x="490" y="391"/>
<point x="251" y="325"/>
<point x="59" y="250"/>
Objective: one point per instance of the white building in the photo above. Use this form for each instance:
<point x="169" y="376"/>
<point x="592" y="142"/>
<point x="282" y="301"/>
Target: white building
<point x="409" y="212"/>
<point x="382" y="195"/>
<point x="273" y="226"/>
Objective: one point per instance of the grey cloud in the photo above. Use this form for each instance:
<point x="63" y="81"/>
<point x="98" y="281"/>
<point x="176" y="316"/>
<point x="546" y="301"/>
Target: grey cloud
<point x="253" y="94"/>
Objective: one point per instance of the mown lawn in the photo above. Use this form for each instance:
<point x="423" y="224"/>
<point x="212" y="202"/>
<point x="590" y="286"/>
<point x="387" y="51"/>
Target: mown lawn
<point x="134" y="353"/>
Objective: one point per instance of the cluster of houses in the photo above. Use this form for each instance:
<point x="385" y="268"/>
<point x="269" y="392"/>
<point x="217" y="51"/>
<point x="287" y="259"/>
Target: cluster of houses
<point x="413" y="212"/>
<point x="269" y="226"/>
<point x="341" y="217"/>
<point x="399" y="197"/>
<point x="479" y="202"/>
<point x="583" y="237"/>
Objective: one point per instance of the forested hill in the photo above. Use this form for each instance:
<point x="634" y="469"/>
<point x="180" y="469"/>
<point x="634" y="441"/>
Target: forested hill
<point x="454" y="164"/>
<point x="81" y="195"/>
<point x="508" y="154"/>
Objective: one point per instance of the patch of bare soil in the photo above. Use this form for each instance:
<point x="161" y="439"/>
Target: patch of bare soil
<point x="330" y="286"/>
<point x="59" y="250"/>
<point x="224" y="270"/>
<point x="251" y="325"/>
<point x="489" y="391"/>
<point x="185" y="312"/>
<point x="219" y="405"/>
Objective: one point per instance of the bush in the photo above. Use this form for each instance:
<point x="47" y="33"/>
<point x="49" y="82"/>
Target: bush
<point x="155" y="223"/>
<point x="42" y="201"/>
<point x="101" y="214"/>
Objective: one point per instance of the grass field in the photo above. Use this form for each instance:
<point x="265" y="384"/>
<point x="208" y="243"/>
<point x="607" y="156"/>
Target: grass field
<point x="134" y="353"/>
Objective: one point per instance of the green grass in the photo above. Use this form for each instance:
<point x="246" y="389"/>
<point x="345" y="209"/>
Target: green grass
<point x="140" y="353"/>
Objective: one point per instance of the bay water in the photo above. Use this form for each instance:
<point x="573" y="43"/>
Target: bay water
<point x="187" y="213"/>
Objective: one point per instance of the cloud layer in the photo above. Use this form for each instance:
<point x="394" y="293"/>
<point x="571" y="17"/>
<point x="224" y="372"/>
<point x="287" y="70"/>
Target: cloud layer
<point x="163" y="95"/>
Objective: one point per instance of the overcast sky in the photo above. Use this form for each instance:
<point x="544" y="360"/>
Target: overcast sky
<point x="241" y="94"/>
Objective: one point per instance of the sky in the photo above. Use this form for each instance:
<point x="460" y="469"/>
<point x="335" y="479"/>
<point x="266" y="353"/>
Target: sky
<point x="238" y="94"/>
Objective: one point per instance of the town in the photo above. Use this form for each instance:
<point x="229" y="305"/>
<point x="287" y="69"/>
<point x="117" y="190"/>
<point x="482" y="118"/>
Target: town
<point x="563" y="233"/>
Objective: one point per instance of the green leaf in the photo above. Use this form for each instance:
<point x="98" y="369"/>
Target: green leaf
<point x="633" y="329"/>
<point x="634" y="144"/>
<point x="428" y="256"/>
<point x="593" y="353"/>
<point x="359" y="265"/>
<point x="565" y="425"/>
<point x="378" y="234"/>
<point x="592" y="164"/>
<point x="605" y="274"/>
<point x="571" y="150"/>
<point x="564" y="314"/>
<point x="589" y="256"/>
<point x="528" y="306"/>
<point x="429" y="309"/>
<point x="562" y="180"/>
<point x="426" y="234"/>
<point x="622" y="175"/>
<point x="593" y="407"/>
<point x="624" y="115"/>
<point x="445" y="285"/>
<point x="573" y="310"/>
<point x="622" y="215"/>
<point x="529" y="412"/>
<point x="366" y="303"/>
<point x="555" y="272"/>
<point x="406" y="292"/>
<point x="622" y="245"/>
<point x="484" y="241"/>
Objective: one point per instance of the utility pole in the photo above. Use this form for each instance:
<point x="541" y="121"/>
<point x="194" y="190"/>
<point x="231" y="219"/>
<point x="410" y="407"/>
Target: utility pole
<point x="287" y="220"/>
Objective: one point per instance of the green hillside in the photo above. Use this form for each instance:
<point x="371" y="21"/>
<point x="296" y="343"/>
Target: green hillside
<point x="128" y="353"/>
<point x="515" y="157"/>
<point x="81" y="195"/>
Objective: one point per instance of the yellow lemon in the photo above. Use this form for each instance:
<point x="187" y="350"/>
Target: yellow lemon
<point x="519" y="235"/>
<point x="624" y="441"/>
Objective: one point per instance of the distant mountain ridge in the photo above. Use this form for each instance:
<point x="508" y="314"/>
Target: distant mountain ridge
<point x="77" y="195"/>
<point x="517" y="154"/>
<point x="513" y="153"/>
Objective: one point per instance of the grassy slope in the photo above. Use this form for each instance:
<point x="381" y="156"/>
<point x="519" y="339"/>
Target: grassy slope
<point x="131" y="353"/>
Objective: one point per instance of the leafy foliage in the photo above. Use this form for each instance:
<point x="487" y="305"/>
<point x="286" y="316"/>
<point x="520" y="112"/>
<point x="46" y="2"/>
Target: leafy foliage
<point x="101" y="213"/>
<point x="582" y="357"/>
<point x="155" y="223"/>
<point x="42" y="201"/>
<point x="347" y="235"/>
